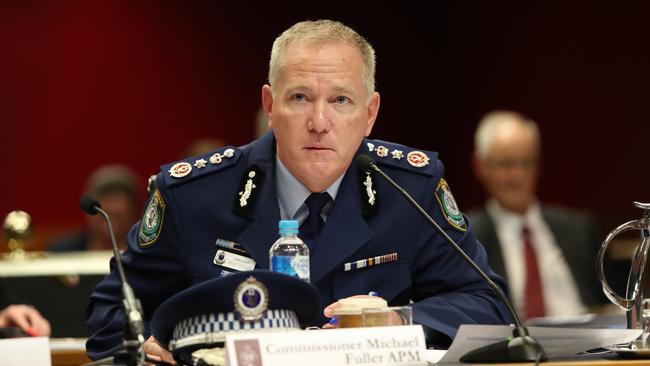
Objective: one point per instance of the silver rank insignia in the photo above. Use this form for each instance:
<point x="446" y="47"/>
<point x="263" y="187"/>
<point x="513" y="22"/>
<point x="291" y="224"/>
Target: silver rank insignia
<point x="200" y="163"/>
<point x="382" y="151"/>
<point x="369" y="191"/>
<point x="448" y="206"/>
<point x="251" y="299"/>
<point x="216" y="159"/>
<point x="397" y="154"/>
<point x="248" y="189"/>
<point x="152" y="220"/>
<point x="417" y="159"/>
<point x="371" y="147"/>
<point x="179" y="170"/>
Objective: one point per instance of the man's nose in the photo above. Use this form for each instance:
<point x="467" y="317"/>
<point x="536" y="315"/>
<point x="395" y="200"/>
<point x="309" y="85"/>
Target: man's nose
<point x="319" y="121"/>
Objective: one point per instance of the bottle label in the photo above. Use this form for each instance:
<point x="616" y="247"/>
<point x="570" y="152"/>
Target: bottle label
<point x="297" y="266"/>
<point x="300" y="264"/>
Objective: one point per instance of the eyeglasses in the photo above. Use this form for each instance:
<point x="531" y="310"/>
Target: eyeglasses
<point x="510" y="164"/>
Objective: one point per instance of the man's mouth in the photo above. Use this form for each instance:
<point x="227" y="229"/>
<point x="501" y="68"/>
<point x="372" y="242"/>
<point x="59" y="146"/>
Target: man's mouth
<point x="318" y="147"/>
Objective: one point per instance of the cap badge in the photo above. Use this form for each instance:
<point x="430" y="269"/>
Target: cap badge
<point x="371" y="146"/>
<point x="251" y="299"/>
<point x="179" y="170"/>
<point x="417" y="159"/>
<point x="397" y="154"/>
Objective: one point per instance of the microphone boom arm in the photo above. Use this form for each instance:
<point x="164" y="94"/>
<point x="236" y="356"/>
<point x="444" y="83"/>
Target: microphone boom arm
<point x="134" y="332"/>
<point x="521" y="347"/>
<point x="460" y="251"/>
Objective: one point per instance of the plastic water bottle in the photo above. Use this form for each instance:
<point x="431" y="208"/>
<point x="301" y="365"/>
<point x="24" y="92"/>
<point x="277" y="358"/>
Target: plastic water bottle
<point x="289" y="254"/>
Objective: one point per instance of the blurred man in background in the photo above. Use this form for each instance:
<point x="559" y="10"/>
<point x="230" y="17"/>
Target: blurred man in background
<point x="116" y="188"/>
<point x="547" y="254"/>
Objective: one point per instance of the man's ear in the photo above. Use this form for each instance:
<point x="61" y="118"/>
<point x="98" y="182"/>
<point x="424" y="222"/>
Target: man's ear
<point x="267" y="103"/>
<point x="478" y="167"/>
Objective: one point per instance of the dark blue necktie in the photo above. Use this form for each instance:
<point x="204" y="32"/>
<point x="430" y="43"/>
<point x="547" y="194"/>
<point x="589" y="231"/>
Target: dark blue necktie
<point x="313" y="224"/>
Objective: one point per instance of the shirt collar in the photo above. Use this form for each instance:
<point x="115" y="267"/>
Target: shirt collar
<point x="504" y="216"/>
<point x="292" y="193"/>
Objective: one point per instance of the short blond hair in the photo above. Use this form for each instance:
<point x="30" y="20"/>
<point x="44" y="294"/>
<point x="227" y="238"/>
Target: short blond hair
<point x="321" y="32"/>
<point x="497" y="121"/>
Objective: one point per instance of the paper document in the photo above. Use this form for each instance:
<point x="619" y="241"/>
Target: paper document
<point x="67" y="344"/>
<point x="557" y="342"/>
<point x="434" y="355"/>
<point x="27" y="351"/>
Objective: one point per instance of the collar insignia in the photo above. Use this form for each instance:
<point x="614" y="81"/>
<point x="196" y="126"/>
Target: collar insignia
<point x="250" y="185"/>
<point x="368" y="193"/>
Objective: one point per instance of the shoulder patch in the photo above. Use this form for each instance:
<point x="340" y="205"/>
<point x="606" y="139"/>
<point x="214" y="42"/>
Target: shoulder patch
<point x="152" y="220"/>
<point x="400" y="156"/>
<point x="190" y="168"/>
<point x="448" y="206"/>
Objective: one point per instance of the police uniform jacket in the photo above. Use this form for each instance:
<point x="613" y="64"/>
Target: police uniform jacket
<point x="173" y="246"/>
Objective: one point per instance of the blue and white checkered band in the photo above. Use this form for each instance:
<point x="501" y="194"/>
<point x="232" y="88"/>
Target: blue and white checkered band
<point x="212" y="328"/>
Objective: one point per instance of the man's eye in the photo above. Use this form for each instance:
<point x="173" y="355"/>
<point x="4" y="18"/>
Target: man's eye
<point x="342" y="100"/>
<point x="298" y="97"/>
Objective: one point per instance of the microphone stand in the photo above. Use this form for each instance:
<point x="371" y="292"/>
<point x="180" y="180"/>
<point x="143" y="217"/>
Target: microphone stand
<point x="521" y="347"/>
<point x="134" y="331"/>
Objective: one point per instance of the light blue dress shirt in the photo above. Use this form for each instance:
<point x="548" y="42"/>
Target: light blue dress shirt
<point x="292" y="194"/>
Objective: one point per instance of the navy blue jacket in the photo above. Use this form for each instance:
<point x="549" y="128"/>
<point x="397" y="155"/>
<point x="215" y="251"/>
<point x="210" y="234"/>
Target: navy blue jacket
<point x="200" y="208"/>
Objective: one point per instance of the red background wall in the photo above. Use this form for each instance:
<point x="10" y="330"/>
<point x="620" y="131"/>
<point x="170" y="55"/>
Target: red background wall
<point x="84" y="83"/>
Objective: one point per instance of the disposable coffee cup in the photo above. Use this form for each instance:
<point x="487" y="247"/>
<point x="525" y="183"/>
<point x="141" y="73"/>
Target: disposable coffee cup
<point x="349" y="313"/>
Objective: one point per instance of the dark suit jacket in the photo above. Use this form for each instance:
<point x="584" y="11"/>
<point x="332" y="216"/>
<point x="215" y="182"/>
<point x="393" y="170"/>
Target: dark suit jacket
<point x="576" y="234"/>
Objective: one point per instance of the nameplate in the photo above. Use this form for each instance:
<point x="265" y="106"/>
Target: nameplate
<point x="399" y="345"/>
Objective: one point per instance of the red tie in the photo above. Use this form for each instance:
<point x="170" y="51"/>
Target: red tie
<point x="534" y="293"/>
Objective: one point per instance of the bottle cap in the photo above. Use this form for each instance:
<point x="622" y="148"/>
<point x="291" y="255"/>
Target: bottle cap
<point x="288" y="227"/>
<point x="288" y="224"/>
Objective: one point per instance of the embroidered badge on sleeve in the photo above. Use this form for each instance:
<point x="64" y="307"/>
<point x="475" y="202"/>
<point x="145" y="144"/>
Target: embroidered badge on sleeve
<point x="152" y="221"/>
<point x="448" y="206"/>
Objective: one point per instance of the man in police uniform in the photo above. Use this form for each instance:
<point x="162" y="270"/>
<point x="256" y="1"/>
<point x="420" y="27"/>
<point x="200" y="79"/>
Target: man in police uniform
<point x="321" y="105"/>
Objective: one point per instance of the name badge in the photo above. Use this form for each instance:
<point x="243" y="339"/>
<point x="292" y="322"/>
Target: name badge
<point x="389" y="346"/>
<point x="233" y="261"/>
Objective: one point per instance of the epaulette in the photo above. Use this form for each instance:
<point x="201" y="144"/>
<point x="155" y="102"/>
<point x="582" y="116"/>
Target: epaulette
<point x="190" y="168"/>
<point x="400" y="156"/>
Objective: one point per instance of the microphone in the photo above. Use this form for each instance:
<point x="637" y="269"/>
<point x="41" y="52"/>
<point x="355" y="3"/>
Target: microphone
<point x="521" y="347"/>
<point x="134" y="332"/>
